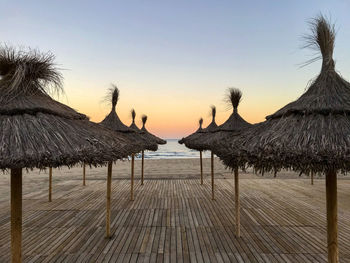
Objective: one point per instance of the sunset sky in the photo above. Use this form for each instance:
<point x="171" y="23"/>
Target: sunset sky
<point x="173" y="59"/>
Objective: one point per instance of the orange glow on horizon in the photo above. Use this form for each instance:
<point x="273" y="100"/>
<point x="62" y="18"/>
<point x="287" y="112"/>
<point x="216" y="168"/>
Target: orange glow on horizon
<point x="169" y="123"/>
<point x="169" y="115"/>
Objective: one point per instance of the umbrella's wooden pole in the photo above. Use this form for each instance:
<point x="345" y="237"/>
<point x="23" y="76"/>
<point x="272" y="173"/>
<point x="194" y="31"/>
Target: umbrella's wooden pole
<point x="50" y="184"/>
<point x="312" y="178"/>
<point x="142" y="166"/>
<point x="84" y="183"/>
<point x="332" y="216"/>
<point x="16" y="215"/>
<point x="108" y="203"/>
<point x="237" y="204"/>
<point x="132" y="177"/>
<point x="212" y="177"/>
<point x="201" y="164"/>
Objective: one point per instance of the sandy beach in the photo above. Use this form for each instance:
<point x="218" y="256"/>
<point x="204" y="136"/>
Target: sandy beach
<point x="173" y="218"/>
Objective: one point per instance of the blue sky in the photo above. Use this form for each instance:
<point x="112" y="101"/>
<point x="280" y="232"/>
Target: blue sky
<point x="173" y="59"/>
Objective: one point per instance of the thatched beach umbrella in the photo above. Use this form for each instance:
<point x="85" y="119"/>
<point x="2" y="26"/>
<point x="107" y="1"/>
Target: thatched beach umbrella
<point x="309" y="134"/>
<point x="193" y="136"/>
<point x="152" y="137"/>
<point x="146" y="136"/>
<point x="39" y="132"/>
<point x="156" y="139"/>
<point x="113" y="122"/>
<point x="232" y="127"/>
<point x="198" y="143"/>
<point x="151" y="144"/>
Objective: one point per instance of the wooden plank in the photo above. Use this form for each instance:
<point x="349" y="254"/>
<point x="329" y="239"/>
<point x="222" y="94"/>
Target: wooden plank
<point x="174" y="221"/>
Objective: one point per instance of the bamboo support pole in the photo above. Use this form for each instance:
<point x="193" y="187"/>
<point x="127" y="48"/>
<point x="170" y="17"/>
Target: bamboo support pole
<point x="132" y="178"/>
<point x="332" y="217"/>
<point x="237" y="204"/>
<point x="201" y="164"/>
<point x="212" y="177"/>
<point x="312" y="178"/>
<point x="142" y="166"/>
<point x="108" y="203"/>
<point x="50" y="184"/>
<point x="16" y="215"/>
<point x="84" y="183"/>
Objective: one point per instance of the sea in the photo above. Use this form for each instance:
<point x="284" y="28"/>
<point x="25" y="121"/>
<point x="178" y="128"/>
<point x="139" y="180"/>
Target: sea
<point x="173" y="150"/>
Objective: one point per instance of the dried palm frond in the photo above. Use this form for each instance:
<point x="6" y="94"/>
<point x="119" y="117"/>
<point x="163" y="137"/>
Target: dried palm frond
<point x="213" y="111"/>
<point x="233" y="97"/>
<point x="144" y="119"/>
<point x="133" y="115"/>
<point x="321" y="39"/>
<point x="27" y="72"/>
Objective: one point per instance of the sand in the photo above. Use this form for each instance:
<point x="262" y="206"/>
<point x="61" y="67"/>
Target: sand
<point x="155" y="169"/>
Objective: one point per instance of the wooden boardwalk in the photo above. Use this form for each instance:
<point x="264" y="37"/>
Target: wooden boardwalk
<point x="174" y="220"/>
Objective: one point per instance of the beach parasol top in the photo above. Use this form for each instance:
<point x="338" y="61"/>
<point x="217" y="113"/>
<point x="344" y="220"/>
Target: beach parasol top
<point x="151" y="145"/>
<point x="200" y="122"/>
<point x="37" y="131"/>
<point x="157" y="139"/>
<point x="133" y="124"/>
<point x="225" y="133"/>
<point x="235" y="122"/>
<point x="212" y="126"/>
<point x="196" y="141"/>
<point x="112" y="121"/>
<point x="311" y="133"/>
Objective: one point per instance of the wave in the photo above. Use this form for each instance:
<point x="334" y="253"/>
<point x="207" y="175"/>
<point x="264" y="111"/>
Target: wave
<point x="173" y="150"/>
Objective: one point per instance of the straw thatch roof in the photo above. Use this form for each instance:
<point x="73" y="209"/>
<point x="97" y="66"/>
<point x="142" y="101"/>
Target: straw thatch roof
<point x="197" y="142"/>
<point x="112" y="121"/>
<point x="311" y="133"/>
<point x="212" y="126"/>
<point x="37" y="131"/>
<point x="152" y="145"/>
<point x="232" y="127"/>
<point x="191" y="136"/>
<point x="157" y="139"/>
<point x="133" y="124"/>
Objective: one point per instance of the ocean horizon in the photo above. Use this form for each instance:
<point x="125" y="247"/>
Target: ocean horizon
<point x="173" y="150"/>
